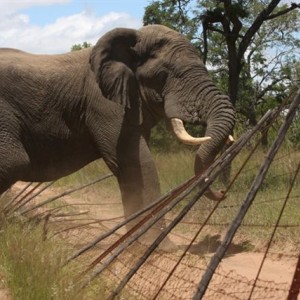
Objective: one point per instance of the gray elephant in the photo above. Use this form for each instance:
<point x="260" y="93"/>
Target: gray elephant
<point x="61" y="112"/>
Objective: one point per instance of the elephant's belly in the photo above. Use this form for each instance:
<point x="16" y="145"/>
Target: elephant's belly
<point x="53" y="161"/>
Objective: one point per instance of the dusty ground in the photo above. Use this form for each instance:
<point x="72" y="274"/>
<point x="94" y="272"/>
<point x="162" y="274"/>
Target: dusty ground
<point x="4" y="293"/>
<point x="234" y="277"/>
<point x="233" y="280"/>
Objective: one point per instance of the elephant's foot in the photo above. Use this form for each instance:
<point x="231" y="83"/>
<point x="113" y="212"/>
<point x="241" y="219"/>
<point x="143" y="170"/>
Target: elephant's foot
<point x="215" y="195"/>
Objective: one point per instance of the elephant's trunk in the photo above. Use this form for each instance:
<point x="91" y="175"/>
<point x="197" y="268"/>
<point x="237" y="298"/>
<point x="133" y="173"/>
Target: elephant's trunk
<point x="220" y="123"/>
<point x="198" y="101"/>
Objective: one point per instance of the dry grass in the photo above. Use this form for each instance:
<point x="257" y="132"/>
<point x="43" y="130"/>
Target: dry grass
<point x="32" y="267"/>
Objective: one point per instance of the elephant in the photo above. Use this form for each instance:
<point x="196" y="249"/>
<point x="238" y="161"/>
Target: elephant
<point x="60" y="112"/>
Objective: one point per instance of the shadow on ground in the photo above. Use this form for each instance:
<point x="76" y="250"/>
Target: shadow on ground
<point x="210" y="244"/>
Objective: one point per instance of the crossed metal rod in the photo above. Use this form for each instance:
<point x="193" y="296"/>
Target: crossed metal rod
<point x="29" y="209"/>
<point x="203" y="181"/>
<point x="219" y="254"/>
<point x="225" y="159"/>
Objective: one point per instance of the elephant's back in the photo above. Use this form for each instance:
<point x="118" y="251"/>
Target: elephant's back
<point x="9" y="51"/>
<point x="10" y="58"/>
<point x="38" y="72"/>
<point x="39" y="83"/>
<point x="18" y="59"/>
<point x="14" y="62"/>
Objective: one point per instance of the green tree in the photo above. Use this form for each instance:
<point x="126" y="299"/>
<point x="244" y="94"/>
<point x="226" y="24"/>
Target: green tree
<point x="173" y="14"/>
<point x="77" y="47"/>
<point x="249" y="46"/>
<point x="249" y="29"/>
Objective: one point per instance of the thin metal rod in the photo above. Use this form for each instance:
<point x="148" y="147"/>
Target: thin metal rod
<point x="167" y="197"/>
<point x="65" y="194"/>
<point x="274" y="230"/>
<point x="204" y="223"/>
<point x="295" y="286"/>
<point x="33" y="196"/>
<point x="267" y="118"/>
<point x="18" y="195"/>
<point x="222" y="162"/>
<point x="224" y="159"/>
<point x="14" y="204"/>
<point x="152" y="217"/>
<point x="215" y="260"/>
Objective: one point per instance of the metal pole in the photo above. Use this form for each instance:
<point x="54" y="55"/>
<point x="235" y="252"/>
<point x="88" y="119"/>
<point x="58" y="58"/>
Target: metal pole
<point x="216" y="259"/>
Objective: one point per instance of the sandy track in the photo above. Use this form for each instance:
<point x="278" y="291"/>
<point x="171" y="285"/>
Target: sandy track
<point x="234" y="277"/>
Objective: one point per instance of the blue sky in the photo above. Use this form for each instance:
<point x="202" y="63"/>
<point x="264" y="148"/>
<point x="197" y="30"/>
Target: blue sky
<point x="42" y="15"/>
<point x="53" y="26"/>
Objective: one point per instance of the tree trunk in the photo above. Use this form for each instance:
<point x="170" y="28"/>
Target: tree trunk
<point x="234" y="66"/>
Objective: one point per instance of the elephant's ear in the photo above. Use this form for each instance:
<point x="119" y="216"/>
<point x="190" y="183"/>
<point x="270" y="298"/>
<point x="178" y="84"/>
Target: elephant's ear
<point x="113" y="60"/>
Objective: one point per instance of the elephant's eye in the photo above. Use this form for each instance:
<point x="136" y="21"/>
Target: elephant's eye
<point x="162" y="76"/>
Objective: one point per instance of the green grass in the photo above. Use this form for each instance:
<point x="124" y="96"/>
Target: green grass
<point x="265" y="209"/>
<point x="89" y="173"/>
<point x="31" y="268"/>
<point x="175" y="168"/>
<point x="263" y="213"/>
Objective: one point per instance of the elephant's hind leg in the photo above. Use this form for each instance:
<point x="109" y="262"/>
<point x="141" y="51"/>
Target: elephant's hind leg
<point x="14" y="161"/>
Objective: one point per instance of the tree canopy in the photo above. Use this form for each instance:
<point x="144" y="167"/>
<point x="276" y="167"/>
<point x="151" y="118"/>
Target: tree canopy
<point x="77" y="47"/>
<point x="250" y="47"/>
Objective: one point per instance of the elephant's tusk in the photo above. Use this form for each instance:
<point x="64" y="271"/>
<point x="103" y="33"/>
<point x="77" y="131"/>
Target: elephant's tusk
<point x="183" y="136"/>
<point x="230" y="140"/>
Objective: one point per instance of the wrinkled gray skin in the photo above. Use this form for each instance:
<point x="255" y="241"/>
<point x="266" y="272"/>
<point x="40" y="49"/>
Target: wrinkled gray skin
<point x="61" y="112"/>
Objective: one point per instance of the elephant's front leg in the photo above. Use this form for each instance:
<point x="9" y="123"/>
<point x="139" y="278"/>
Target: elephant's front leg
<point x="139" y="183"/>
<point x="125" y="151"/>
<point x="137" y="175"/>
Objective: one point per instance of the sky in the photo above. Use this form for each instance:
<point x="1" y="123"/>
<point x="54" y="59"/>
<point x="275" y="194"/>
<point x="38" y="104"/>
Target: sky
<point x="53" y="26"/>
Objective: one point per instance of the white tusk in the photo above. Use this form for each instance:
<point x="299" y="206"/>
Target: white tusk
<point x="183" y="136"/>
<point x="230" y="140"/>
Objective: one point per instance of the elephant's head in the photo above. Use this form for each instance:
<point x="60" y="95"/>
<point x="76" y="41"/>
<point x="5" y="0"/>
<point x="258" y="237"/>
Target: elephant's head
<point x="156" y="72"/>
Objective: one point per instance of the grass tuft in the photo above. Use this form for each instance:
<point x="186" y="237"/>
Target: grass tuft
<point x="31" y="266"/>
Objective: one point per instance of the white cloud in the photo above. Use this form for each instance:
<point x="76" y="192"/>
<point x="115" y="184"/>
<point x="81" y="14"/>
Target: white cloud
<point x="11" y="6"/>
<point x="16" y="31"/>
